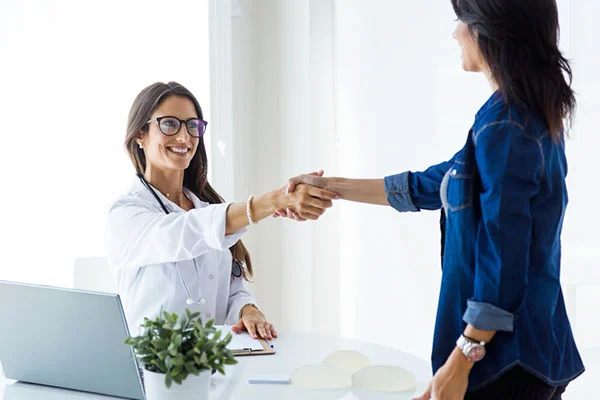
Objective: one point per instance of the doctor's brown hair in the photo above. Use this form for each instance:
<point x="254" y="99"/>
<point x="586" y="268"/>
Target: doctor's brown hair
<point x="194" y="177"/>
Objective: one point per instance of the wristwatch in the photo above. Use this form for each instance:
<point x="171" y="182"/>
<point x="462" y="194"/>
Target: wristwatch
<point x="472" y="349"/>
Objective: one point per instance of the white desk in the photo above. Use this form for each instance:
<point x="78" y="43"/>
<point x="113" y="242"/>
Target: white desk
<point x="293" y="350"/>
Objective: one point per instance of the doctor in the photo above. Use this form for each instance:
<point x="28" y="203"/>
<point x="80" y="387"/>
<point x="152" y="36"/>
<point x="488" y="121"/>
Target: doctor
<point x="173" y="242"/>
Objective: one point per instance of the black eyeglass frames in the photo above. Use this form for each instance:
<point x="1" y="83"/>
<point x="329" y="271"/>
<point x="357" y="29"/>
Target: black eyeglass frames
<point x="170" y="125"/>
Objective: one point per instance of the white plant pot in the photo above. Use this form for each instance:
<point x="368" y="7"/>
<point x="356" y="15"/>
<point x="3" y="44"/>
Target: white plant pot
<point x="193" y="387"/>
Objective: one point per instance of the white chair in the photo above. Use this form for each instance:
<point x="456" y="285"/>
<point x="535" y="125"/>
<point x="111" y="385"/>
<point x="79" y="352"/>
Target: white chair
<point x="93" y="273"/>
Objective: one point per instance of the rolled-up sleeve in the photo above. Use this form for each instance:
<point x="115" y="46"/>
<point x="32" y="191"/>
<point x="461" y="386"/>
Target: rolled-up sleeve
<point x="415" y="191"/>
<point x="398" y="192"/>
<point x="510" y="164"/>
<point x="139" y="236"/>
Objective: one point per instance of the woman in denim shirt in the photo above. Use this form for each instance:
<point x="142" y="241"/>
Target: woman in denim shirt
<point x="501" y="331"/>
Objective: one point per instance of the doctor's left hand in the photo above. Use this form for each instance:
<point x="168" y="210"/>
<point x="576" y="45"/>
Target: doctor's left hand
<point x="255" y="323"/>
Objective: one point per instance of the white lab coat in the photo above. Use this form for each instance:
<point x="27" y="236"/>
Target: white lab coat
<point x="145" y="245"/>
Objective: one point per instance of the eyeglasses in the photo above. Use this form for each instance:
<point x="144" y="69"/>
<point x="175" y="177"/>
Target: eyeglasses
<point x="170" y="125"/>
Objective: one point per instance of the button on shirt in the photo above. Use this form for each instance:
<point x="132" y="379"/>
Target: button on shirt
<point x="504" y="197"/>
<point x="147" y="248"/>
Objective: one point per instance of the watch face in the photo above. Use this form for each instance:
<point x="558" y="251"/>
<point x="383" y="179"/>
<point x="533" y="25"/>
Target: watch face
<point x="476" y="353"/>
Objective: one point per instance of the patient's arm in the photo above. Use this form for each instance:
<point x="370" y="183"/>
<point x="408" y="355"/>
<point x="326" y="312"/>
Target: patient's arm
<point x="370" y="191"/>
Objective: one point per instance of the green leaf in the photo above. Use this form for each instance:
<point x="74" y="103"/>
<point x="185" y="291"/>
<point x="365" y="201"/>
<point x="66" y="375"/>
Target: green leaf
<point x="189" y="354"/>
<point x="146" y="360"/>
<point x="178" y="361"/>
<point x="177" y="370"/>
<point x="191" y="368"/>
<point x="160" y="365"/>
<point x="166" y="316"/>
<point x="177" y="340"/>
<point x="167" y="326"/>
<point x="169" y="362"/>
<point x="172" y="350"/>
<point x="177" y="379"/>
<point x="160" y="344"/>
<point x="168" y="380"/>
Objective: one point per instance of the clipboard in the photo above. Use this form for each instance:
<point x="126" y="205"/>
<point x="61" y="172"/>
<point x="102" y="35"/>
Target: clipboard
<point x="243" y="345"/>
<point x="266" y="350"/>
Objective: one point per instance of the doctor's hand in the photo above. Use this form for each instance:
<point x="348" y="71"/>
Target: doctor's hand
<point x="314" y="180"/>
<point x="451" y="380"/>
<point x="305" y="202"/>
<point x="254" y="322"/>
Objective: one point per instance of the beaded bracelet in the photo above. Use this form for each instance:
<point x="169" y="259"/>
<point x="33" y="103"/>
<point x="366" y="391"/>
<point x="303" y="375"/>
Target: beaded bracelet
<point x="249" y="211"/>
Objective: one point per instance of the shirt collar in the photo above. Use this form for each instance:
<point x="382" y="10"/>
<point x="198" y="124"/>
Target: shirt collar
<point x="141" y="190"/>
<point x="494" y="99"/>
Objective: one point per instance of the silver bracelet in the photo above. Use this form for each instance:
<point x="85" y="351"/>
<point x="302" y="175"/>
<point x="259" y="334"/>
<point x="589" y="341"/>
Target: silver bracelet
<point x="249" y="211"/>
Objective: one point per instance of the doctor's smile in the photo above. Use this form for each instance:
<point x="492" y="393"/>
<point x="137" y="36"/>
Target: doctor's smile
<point x="179" y="150"/>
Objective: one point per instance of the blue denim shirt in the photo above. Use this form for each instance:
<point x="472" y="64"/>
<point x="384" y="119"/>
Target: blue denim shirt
<point x="504" y="196"/>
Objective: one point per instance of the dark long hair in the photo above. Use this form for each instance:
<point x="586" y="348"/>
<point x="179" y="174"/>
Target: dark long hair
<point x="519" y="41"/>
<point x="194" y="177"/>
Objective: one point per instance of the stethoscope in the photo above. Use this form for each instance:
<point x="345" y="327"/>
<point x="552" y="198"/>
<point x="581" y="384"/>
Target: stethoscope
<point x="236" y="268"/>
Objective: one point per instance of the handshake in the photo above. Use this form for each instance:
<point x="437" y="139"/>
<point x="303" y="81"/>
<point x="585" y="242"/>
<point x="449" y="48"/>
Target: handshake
<point x="306" y="197"/>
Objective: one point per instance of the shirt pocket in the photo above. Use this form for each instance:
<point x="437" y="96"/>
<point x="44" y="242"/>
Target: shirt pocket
<point x="459" y="192"/>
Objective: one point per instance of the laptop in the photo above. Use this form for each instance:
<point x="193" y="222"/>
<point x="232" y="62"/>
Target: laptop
<point x="67" y="338"/>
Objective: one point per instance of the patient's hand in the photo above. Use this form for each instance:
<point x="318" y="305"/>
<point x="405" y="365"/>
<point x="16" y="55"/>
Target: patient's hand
<point x="314" y="180"/>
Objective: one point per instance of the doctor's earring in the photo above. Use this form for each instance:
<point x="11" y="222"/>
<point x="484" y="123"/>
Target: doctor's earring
<point x="140" y="145"/>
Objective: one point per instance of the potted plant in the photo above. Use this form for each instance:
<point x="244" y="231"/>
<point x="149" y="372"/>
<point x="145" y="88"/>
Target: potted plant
<point x="180" y="349"/>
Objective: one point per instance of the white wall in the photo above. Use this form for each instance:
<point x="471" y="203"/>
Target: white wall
<point x="283" y="121"/>
<point x="581" y="260"/>
<point x="404" y="103"/>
